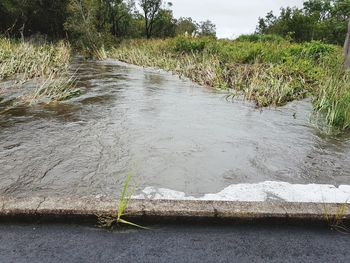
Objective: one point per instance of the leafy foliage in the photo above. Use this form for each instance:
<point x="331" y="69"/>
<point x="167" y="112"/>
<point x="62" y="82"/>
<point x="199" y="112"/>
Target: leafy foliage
<point x="324" y="20"/>
<point x="95" y="24"/>
<point x="189" y="45"/>
<point x="20" y="17"/>
<point x="207" y="29"/>
<point x="185" y="25"/>
<point x="261" y="38"/>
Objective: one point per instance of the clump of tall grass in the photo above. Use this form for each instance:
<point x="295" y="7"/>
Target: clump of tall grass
<point x="332" y="103"/>
<point x="337" y="222"/>
<point x="26" y="60"/>
<point x="45" y="64"/>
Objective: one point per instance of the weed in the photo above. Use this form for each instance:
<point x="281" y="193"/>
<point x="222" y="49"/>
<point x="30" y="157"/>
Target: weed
<point x="336" y="222"/>
<point x="123" y="204"/>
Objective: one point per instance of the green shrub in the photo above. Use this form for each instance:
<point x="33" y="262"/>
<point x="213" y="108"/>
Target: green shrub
<point x="260" y="38"/>
<point x="314" y="50"/>
<point x="189" y="44"/>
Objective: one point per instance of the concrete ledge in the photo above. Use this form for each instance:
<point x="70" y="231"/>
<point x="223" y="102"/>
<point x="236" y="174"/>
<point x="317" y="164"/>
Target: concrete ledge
<point x="67" y="208"/>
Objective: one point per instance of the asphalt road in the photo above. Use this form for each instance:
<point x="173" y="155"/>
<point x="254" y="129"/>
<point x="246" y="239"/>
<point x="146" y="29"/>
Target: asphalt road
<point x="172" y="243"/>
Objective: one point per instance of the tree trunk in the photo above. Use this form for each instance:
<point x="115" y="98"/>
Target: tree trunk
<point x="21" y="31"/>
<point x="347" y="49"/>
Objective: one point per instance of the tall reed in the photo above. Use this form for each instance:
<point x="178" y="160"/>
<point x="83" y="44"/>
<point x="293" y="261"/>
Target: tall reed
<point x="332" y="103"/>
<point x="45" y="64"/>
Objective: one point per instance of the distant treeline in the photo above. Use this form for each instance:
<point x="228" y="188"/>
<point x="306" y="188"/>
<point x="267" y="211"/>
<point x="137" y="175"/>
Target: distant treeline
<point x="87" y="20"/>
<point x="324" y="20"/>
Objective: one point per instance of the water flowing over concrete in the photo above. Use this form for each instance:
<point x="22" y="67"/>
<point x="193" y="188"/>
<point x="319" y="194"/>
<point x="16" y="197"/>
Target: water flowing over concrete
<point x="168" y="132"/>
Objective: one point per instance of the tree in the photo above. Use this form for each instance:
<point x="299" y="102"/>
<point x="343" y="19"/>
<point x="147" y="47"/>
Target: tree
<point x="207" y="28"/>
<point x="18" y="12"/>
<point x="24" y="17"/>
<point x="164" y="24"/>
<point x="186" y="25"/>
<point x="47" y="17"/>
<point x="82" y="23"/>
<point x="116" y="16"/>
<point x="92" y="24"/>
<point x="264" y="24"/>
<point x="324" y="20"/>
<point x="150" y="9"/>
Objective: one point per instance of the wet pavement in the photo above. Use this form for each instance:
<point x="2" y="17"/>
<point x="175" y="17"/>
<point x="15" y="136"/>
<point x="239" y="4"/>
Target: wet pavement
<point x="168" y="132"/>
<point x="173" y="243"/>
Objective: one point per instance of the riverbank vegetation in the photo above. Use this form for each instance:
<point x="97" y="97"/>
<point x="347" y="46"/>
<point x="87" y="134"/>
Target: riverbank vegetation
<point x="36" y="62"/>
<point x="28" y="60"/>
<point x="324" y="20"/>
<point x="292" y="55"/>
<point x="269" y="72"/>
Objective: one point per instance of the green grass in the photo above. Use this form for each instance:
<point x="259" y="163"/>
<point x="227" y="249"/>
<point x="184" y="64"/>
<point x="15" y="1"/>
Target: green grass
<point x="45" y="64"/>
<point x="124" y="200"/>
<point x="333" y="101"/>
<point x="336" y="222"/>
<point x="267" y="70"/>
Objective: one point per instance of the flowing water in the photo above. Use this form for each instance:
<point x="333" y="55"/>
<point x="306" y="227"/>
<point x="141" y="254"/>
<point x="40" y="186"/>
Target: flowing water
<point x="168" y="132"/>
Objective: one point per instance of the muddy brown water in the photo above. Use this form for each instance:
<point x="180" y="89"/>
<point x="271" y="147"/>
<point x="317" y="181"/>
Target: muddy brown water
<point x="168" y="132"/>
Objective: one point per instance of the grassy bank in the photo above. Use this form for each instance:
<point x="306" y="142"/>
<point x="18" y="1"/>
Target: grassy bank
<point x="44" y="64"/>
<point x="268" y="70"/>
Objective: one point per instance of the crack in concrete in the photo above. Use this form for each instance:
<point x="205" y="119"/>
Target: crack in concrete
<point x="40" y="204"/>
<point x="215" y="210"/>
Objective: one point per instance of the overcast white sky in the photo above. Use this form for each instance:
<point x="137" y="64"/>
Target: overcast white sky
<point x="232" y="17"/>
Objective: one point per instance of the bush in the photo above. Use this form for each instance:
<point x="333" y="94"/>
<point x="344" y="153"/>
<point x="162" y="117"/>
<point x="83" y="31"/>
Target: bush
<point x="189" y="44"/>
<point x="314" y="50"/>
<point x="260" y="38"/>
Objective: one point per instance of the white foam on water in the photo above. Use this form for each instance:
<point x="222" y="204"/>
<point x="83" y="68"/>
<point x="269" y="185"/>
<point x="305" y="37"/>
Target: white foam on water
<point x="266" y="191"/>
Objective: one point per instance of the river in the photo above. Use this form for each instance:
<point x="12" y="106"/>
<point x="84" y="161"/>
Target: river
<point x="168" y="132"/>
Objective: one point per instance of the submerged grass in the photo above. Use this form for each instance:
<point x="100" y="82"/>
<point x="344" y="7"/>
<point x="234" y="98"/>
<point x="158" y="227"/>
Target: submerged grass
<point x="28" y="60"/>
<point x="270" y="72"/>
<point x="45" y="64"/>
